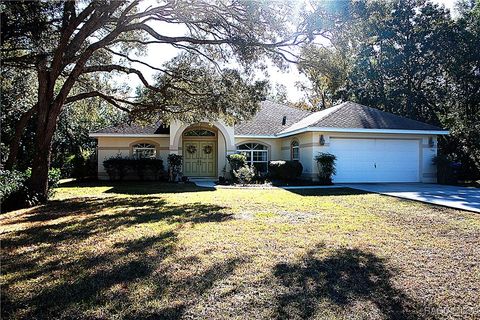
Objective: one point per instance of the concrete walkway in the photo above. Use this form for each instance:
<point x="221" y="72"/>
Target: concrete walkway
<point x="204" y="183"/>
<point x="449" y="196"/>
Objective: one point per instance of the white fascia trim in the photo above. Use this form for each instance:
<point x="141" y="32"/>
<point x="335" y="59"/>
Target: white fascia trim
<point x="119" y="135"/>
<point x="248" y="136"/>
<point x="361" y="130"/>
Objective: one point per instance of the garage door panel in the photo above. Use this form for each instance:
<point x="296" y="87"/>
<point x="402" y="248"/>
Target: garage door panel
<point x="376" y="160"/>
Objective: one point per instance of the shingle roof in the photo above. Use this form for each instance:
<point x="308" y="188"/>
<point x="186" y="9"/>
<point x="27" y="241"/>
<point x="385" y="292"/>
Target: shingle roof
<point x="157" y="128"/>
<point x="268" y="120"/>
<point x="354" y="115"/>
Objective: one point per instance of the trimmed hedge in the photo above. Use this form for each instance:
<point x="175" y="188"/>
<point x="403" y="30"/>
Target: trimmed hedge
<point x="236" y="161"/>
<point x="285" y="170"/>
<point x="118" y="168"/>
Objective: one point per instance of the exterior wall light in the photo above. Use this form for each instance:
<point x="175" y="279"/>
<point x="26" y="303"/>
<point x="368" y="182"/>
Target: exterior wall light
<point x="322" y="140"/>
<point x="431" y="143"/>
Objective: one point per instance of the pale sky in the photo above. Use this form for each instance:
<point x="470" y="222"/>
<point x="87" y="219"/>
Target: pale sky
<point x="159" y="54"/>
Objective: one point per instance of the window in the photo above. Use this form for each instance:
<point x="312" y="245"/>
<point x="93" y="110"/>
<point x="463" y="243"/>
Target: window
<point x="144" y="150"/>
<point x="257" y="155"/>
<point x="295" y="150"/>
<point x="199" y="133"/>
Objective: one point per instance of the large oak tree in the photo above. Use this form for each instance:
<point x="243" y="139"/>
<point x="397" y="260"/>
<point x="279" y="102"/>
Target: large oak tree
<point x="67" y="43"/>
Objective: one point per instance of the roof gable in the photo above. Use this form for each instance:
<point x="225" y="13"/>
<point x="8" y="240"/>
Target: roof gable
<point x="350" y="115"/>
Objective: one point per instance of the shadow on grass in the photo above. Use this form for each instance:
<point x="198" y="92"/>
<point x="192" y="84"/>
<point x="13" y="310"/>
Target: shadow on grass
<point x="137" y="187"/>
<point x="342" y="279"/>
<point x="328" y="192"/>
<point x="70" y="280"/>
<point x="110" y="281"/>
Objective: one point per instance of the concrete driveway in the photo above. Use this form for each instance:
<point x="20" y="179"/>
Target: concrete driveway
<point x="450" y="196"/>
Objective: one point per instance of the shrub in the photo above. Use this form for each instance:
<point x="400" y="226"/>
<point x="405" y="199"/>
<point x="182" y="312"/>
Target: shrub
<point x="54" y="175"/>
<point x="447" y="169"/>
<point x="118" y="168"/>
<point x="156" y="168"/>
<point x="285" y="170"/>
<point x="81" y="165"/>
<point x="174" y="166"/>
<point x="15" y="189"/>
<point x="326" y="167"/>
<point x="11" y="182"/>
<point x="236" y="161"/>
<point x="245" y="174"/>
<point x="139" y="166"/>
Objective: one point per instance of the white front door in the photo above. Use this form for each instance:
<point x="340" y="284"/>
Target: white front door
<point x="376" y="160"/>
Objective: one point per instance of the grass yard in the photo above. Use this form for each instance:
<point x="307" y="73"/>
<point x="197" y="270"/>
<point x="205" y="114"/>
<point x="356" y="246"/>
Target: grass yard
<point x="157" y="251"/>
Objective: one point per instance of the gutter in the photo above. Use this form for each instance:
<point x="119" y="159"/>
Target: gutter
<point x="122" y="135"/>
<point x="289" y="133"/>
<point x="347" y="130"/>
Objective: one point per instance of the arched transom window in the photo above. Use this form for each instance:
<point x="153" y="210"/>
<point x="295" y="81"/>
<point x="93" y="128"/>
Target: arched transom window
<point x="257" y="155"/>
<point x="144" y="150"/>
<point x="295" y="150"/>
<point x="199" y="133"/>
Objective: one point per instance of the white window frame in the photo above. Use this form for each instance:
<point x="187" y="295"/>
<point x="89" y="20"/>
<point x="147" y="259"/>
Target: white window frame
<point x="252" y="151"/>
<point x="295" y="145"/>
<point x="139" y="149"/>
<point x="199" y="133"/>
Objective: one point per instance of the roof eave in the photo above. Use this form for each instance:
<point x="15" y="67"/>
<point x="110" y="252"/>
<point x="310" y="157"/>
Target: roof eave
<point x="363" y="130"/>
<point x="128" y="135"/>
<point x="255" y="136"/>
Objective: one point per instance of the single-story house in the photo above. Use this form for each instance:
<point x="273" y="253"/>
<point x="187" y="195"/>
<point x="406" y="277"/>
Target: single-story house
<point x="370" y="145"/>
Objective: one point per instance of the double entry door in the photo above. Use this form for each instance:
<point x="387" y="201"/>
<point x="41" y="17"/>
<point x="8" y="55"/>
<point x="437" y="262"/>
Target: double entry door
<point x="199" y="158"/>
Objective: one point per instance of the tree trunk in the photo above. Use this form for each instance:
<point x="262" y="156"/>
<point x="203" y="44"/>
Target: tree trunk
<point x="15" y="143"/>
<point x="47" y="114"/>
<point x="40" y="166"/>
<point x="46" y="124"/>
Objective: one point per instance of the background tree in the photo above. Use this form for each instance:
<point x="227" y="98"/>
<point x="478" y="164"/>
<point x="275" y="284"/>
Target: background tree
<point x="66" y="42"/>
<point x="326" y="70"/>
<point x="279" y="94"/>
<point x="18" y="94"/>
<point x="410" y="58"/>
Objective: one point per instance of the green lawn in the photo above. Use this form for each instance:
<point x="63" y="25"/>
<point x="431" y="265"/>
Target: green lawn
<point x="160" y="251"/>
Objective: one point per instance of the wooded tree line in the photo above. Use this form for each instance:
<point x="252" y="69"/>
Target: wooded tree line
<point x="411" y="58"/>
<point x="60" y="61"/>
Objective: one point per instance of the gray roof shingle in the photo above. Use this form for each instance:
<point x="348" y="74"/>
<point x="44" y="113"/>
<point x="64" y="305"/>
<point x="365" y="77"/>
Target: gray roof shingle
<point x="354" y="115"/>
<point x="157" y="128"/>
<point x="268" y="120"/>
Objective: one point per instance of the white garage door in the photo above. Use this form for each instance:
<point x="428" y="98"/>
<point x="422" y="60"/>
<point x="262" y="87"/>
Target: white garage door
<point x="376" y="160"/>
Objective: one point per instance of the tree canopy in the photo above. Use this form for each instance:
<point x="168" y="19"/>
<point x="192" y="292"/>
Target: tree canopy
<point x="411" y="58"/>
<point x="66" y="44"/>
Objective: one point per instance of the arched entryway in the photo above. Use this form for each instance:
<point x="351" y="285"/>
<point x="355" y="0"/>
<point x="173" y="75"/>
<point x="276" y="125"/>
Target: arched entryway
<point x="200" y="151"/>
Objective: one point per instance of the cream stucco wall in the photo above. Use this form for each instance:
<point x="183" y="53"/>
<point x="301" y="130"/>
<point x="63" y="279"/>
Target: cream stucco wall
<point x="279" y="148"/>
<point x="274" y="147"/>
<point x="108" y="147"/>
